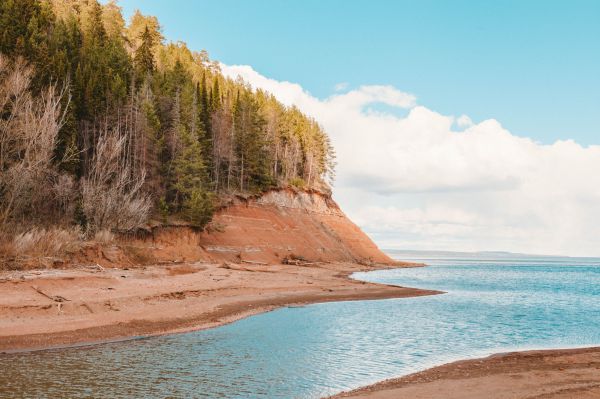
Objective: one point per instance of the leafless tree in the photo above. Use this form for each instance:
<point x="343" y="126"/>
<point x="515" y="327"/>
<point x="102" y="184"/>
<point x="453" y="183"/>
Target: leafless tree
<point x="28" y="132"/>
<point x="112" y="196"/>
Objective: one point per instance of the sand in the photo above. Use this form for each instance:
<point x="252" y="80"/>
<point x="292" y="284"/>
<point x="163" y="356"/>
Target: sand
<point x="50" y="308"/>
<point x="55" y="308"/>
<point x="552" y="374"/>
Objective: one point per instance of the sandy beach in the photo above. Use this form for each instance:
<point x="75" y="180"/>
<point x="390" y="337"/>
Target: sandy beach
<point x="49" y="308"/>
<point x="550" y="374"/>
<point x="54" y="308"/>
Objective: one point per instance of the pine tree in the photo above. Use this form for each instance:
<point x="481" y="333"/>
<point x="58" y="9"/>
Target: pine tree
<point x="191" y="181"/>
<point x="204" y="104"/>
<point x="144" y="58"/>
<point x="215" y="96"/>
<point x="251" y="144"/>
<point x="138" y="24"/>
<point x="180" y="116"/>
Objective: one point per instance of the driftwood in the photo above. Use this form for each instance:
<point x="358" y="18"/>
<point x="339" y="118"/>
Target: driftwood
<point x="55" y="298"/>
<point x="298" y="262"/>
<point x="253" y="262"/>
<point x="240" y="268"/>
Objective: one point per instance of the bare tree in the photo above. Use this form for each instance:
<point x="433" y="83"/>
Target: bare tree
<point x="28" y="132"/>
<point x="112" y="196"/>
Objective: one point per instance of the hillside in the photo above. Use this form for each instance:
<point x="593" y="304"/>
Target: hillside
<point x="105" y="125"/>
<point x="279" y="226"/>
<point x="278" y="249"/>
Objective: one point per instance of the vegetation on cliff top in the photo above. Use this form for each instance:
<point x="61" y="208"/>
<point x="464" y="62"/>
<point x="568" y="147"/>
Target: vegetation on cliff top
<point x="105" y="124"/>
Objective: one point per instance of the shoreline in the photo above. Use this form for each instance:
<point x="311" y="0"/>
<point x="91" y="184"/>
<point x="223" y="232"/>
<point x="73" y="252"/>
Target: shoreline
<point x="53" y="309"/>
<point x="140" y="303"/>
<point x="538" y="373"/>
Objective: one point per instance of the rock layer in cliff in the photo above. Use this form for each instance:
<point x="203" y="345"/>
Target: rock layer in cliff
<point x="275" y="227"/>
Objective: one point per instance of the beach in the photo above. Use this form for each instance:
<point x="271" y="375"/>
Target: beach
<point x="58" y="308"/>
<point x="543" y="374"/>
<point x="55" y="308"/>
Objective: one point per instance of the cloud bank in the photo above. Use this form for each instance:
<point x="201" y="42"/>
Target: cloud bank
<point x="430" y="181"/>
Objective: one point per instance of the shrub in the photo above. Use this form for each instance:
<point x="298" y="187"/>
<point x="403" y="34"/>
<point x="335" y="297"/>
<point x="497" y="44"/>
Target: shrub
<point x="198" y="208"/>
<point x="297" y="182"/>
<point x="30" y="183"/>
<point x="163" y="209"/>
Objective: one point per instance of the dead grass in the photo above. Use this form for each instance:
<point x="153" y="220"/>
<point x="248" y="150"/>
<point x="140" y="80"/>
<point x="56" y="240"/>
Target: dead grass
<point x="38" y="247"/>
<point x="51" y="242"/>
<point x="104" y="236"/>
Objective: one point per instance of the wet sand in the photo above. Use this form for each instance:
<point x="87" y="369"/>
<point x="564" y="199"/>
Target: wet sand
<point x="54" y="308"/>
<point x="552" y="374"/>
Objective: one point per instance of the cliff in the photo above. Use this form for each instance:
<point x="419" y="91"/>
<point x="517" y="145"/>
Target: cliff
<point x="284" y="224"/>
<point x="175" y="279"/>
<point x="277" y="227"/>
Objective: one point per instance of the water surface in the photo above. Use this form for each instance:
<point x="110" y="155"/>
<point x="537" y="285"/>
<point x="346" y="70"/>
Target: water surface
<point x="491" y="305"/>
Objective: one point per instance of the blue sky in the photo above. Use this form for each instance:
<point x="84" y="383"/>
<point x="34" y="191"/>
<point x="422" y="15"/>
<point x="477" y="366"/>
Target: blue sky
<point x="526" y="72"/>
<point x="533" y="65"/>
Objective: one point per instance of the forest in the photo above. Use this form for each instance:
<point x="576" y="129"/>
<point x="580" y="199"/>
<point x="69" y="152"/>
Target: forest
<point x="105" y="125"/>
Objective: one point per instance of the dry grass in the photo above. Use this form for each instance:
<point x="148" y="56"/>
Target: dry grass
<point x="104" y="236"/>
<point x="34" y="247"/>
<point x="37" y="247"/>
<point x="52" y="242"/>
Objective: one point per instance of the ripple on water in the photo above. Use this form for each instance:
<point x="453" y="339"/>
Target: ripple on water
<point x="312" y="351"/>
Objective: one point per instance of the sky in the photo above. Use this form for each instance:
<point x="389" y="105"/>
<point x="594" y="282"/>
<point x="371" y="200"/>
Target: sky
<point x="458" y="125"/>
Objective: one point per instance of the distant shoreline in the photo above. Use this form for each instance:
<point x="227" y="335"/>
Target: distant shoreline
<point x="412" y="255"/>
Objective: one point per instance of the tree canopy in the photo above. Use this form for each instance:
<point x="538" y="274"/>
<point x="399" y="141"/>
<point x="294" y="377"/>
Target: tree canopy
<point x="186" y="133"/>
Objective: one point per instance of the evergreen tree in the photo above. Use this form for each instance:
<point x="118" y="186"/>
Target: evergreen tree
<point x="191" y="181"/>
<point x="204" y="103"/>
<point x="144" y="58"/>
<point x="138" y="24"/>
<point x="251" y="144"/>
<point x="215" y="95"/>
<point x="178" y="117"/>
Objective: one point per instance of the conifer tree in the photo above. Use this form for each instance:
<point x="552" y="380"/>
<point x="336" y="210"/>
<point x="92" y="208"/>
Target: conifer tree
<point x="185" y="128"/>
<point x="251" y="144"/>
<point x="215" y="95"/>
<point x="204" y="104"/>
<point x="143" y="58"/>
<point x="191" y="181"/>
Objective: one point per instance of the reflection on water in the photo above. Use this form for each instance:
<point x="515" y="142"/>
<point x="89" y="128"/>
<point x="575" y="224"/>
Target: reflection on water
<point x="322" y="349"/>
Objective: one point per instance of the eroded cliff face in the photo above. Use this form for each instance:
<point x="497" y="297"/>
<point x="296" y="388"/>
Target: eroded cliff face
<point x="278" y="226"/>
<point x="286" y="224"/>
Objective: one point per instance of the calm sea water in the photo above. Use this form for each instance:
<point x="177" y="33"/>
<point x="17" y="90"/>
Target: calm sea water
<point x="313" y="351"/>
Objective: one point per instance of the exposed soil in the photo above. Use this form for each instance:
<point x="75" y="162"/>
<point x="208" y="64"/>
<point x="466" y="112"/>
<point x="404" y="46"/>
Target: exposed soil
<point x="173" y="279"/>
<point x="277" y="227"/>
<point x="46" y="308"/>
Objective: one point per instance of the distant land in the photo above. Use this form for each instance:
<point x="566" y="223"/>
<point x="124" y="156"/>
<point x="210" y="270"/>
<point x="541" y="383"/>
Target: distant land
<point x="409" y="254"/>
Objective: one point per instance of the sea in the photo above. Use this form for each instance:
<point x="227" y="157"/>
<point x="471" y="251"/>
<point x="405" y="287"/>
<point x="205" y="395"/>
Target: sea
<point x="493" y="303"/>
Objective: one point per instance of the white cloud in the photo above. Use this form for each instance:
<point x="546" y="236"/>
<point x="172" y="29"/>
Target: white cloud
<point x="464" y="121"/>
<point x="415" y="182"/>
<point x="341" y="86"/>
